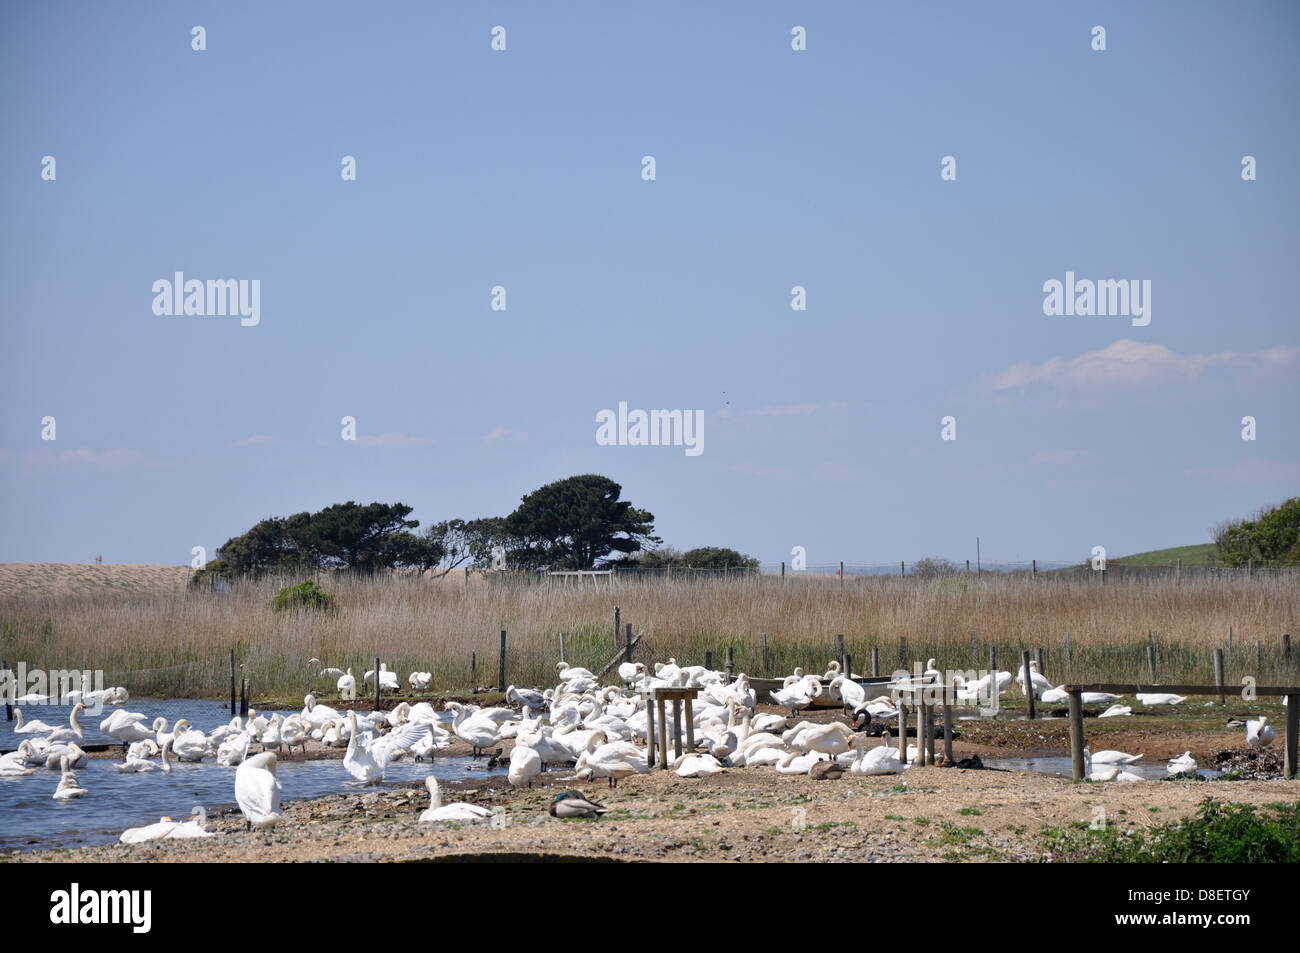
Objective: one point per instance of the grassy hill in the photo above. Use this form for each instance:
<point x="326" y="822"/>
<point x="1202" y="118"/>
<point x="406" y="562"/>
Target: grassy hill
<point x="1201" y="554"/>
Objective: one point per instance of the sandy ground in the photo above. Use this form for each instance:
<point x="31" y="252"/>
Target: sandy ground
<point x="755" y="814"/>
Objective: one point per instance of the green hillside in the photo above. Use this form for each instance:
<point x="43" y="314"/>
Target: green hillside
<point x="1202" y="554"/>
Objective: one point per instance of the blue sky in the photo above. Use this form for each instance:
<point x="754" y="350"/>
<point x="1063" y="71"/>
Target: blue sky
<point x="775" y="168"/>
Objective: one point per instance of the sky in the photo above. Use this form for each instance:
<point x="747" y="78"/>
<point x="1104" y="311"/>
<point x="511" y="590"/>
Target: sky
<point x="774" y="168"/>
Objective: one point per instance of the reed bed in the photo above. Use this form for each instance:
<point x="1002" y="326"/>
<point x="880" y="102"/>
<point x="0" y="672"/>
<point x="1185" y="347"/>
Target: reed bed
<point x="178" y="643"/>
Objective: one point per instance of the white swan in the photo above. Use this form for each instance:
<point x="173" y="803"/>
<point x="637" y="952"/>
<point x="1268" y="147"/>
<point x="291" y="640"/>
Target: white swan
<point x="525" y="697"/>
<point x="368" y="757"/>
<point x="347" y="686"/>
<point x="1183" y="763"/>
<point x="165" y="829"/>
<point x="257" y="790"/>
<point x="325" y="672"/>
<point x="1259" y="733"/>
<point x="459" y="811"/>
<point x="1116" y="711"/>
<point x="832" y="738"/>
<point x="14" y="764"/>
<point x="68" y="787"/>
<point x="696" y="765"/>
<point x="34" y="727"/>
<point x="613" y="760"/>
<point x="525" y="765"/>
<point x="1153" y="699"/>
<point x="879" y="760"/>
<point x="420" y="681"/>
<point x="234" y="750"/>
<point x="1111" y="756"/>
<point x="387" y="679"/>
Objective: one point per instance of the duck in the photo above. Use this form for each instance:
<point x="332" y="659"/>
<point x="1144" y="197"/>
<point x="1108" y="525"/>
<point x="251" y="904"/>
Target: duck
<point x="1259" y="733"/>
<point x="458" y="811"/>
<point x="257" y="791"/>
<point x="33" y="727"/>
<point x="574" y="804"/>
<point x="68" y="787"/>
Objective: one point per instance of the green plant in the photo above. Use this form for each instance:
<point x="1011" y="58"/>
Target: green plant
<point x="305" y="595"/>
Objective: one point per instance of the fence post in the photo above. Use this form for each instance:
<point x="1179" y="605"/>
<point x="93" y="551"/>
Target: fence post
<point x="4" y="680"/>
<point x="1259" y="659"/>
<point x="968" y="565"/>
<point x="501" y="664"/>
<point x="1033" y="567"/>
<point x="902" y="570"/>
<point x="995" y="696"/>
<point x="783" y="570"/>
<point x="617" y="627"/>
<point x="1029" y="682"/>
<point x="1076" y="735"/>
<point x="848" y="668"/>
<point x="1155" y="654"/>
<point x="1229" y="641"/>
<point x="1218" y="674"/>
<point x="232" y="682"/>
<point x="902" y="730"/>
<point x="1038" y="657"/>
<point x="378" y="683"/>
<point x="875" y="661"/>
<point x="731" y="663"/>
<point x="841" y="574"/>
<point x="1290" y="765"/>
<point x="762" y="637"/>
<point x="627" y="645"/>
<point x="839" y="652"/>
<point x="708" y="659"/>
<point x="243" y="698"/>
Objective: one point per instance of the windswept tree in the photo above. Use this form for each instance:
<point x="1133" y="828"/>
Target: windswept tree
<point x="575" y="523"/>
<point x="1272" y="536"/>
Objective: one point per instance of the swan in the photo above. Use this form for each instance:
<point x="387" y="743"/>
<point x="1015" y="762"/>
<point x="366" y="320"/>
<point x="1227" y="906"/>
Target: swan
<point x="829" y="739"/>
<point x="851" y="693"/>
<point x="54" y="755"/>
<point x="189" y="744"/>
<point x="1153" y="699"/>
<point x="368" y="757"/>
<point x="257" y="790"/>
<point x="1098" y="698"/>
<point x="137" y="758"/>
<point x="35" y="727"/>
<point x="769" y="722"/>
<point x="294" y="733"/>
<point x="525" y="765"/>
<point x="1259" y="733"/>
<point x="387" y="679"/>
<point x="13" y="764"/>
<point x="613" y="760"/>
<point x="68" y="786"/>
<point x="573" y="804"/>
<point x="325" y="672"/>
<point x="879" y="760"/>
<point x="1037" y="680"/>
<point x="696" y="765"/>
<point x="420" y="681"/>
<point x="458" y="811"/>
<point x="631" y="672"/>
<point x="347" y="686"/>
<point x="477" y="732"/>
<point x="32" y="698"/>
<point x="165" y="829"/>
<point x="1116" y="711"/>
<point x="525" y="697"/>
<point x="796" y="693"/>
<point x="234" y="750"/>
<point x="1183" y="763"/>
<point x="1110" y="756"/>
<point x="795" y="763"/>
<point x="128" y="728"/>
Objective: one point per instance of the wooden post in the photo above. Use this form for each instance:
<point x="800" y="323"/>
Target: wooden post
<point x="1033" y="567"/>
<point x="627" y="645"/>
<point x="968" y="565"/>
<point x="650" y="732"/>
<point x="232" y="682"/>
<point x="839" y="652"/>
<point x="902" y="730"/>
<point x="974" y="649"/>
<point x="618" y="628"/>
<point x="563" y="659"/>
<point x="947" y="724"/>
<point x="1066" y="641"/>
<point x="762" y="637"/>
<point x="1076" y="735"/>
<point x="378" y="682"/>
<point x="920" y="730"/>
<point x="731" y="663"/>
<point x="875" y="661"/>
<point x="995" y="697"/>
<point x="902" y="570"/>
<point x="783" y="571"/>
<point x="690" y="725"/>
<point x="501" y="664"/>
<point x="4" y="680"/>
<point x="708" y="659"/>
<point x="1029" y="682"/>
<point x="473" y="671"/>
<point x="663" y="734"/>
<point x="1291" y="765"/>
<point x="848" y="667"/>
<point x="243" y="698"/>
<point x="1038" y="657"/>
<point x="1218" y="674"/>
<point x="1229" y="641"/>
<point x="841" y="575"/>
<point x="677" y="727"/>
<point x="902" y="651"/>
<point x="1259" y="659"/>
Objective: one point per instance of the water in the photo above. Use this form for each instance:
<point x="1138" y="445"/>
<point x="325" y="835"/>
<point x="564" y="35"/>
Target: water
<point x="113" y="802"/>
<point x="1064" y="767"/>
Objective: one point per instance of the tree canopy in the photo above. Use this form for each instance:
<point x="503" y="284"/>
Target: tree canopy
<point x="1272" y="536"/>
<point x="573" y="524"/>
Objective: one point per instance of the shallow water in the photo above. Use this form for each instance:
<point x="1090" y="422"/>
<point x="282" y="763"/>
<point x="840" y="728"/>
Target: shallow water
<point x="114" y="802"/>
<point x="1064" y="767"/>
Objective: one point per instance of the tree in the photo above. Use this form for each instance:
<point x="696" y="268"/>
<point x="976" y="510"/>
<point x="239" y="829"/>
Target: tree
<point x="1272" y="536"/>
<point x="717" y="557"/>
<point x="573" y="523"/>
<point x="932" y="566"/>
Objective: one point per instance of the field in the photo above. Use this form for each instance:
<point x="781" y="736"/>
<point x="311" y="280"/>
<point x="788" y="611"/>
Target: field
<point x="146" y="630"/>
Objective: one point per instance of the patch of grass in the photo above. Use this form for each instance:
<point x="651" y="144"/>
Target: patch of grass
<point x="921" y="821"/>
<point x="1217" y="833"/>
<point x="951" y="834"/>
<point x="775" y="830"/>
<point x="970" y="811"/>
<point x="894" y="817"/>
<point x="827" y="825"/>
